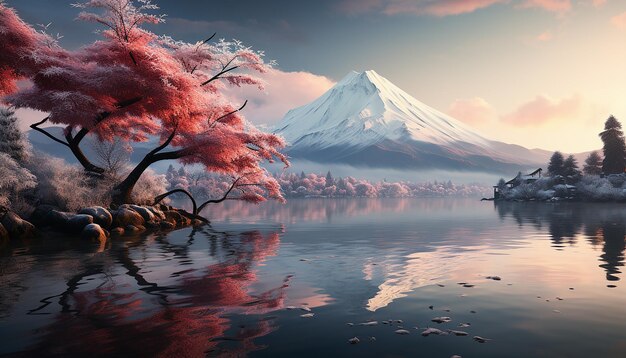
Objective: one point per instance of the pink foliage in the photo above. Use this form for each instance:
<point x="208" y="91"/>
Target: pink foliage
<point x="132" y="84"/>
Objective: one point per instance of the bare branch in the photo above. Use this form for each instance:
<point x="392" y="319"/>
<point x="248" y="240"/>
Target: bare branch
<point x="217" y="76"/>
<point x="35" y="126"/>
<point x="160" y="198"/>
<point x="224" y="197"/>
<point x="229" y="114"/>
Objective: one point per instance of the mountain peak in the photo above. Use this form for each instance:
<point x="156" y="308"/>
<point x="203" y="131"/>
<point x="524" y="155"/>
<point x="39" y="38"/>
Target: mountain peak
<point x="366" y="113"/>
<point x="363" y="109"/>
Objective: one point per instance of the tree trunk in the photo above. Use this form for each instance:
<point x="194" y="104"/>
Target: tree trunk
<point x="122" y="193"/>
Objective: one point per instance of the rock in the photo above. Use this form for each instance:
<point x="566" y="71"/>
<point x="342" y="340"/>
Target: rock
<point x="125" y="216"/>
<point x="57" y="219"/>
<point x="468" y="285"/>
<point x="428" y="331"/>
<point x="76" y="223"/>
<point x="4" y="234"/>
<point x="464" y="325"/>
<point x="156" y="212"/>
<point x="38" y="217"/>
<point x="132" y="229"/>
<point x="166" y="225"/>
<point x="93" y="231"/>
<point x="354" y="340"/>
<point x="480" y="339"/>
<point x="16" y="227"/>
<point x="458" y="333"/>
<point x="402" y="332"/>
<point x="101" y="216"/>
<point x="495" y="278"/>
<point x="146" y="214"/>
<point x="174" y="217"/>
<point x="370" y="323"/>
<point x="117" y="231"/>
<point x="441" y="319"/>
<point x="305" y="308"/>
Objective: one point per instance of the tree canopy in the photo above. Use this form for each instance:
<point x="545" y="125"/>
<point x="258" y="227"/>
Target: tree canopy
<point x="131" y="85"/>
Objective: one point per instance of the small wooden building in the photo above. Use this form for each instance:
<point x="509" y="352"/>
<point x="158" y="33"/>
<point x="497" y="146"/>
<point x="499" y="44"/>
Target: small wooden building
<point x="519" y="180"/>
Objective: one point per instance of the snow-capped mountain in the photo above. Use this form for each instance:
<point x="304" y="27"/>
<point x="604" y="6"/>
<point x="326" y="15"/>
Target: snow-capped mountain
<point x="366" y="120"/>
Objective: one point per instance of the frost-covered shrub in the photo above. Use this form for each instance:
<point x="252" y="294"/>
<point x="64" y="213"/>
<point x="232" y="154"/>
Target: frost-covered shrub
<point x="14" y="180"/>
<point x="59" y="183"/>
<point x="593" y="187"/>
<point x="148" y="187"/>
<point x="524" y="192"/>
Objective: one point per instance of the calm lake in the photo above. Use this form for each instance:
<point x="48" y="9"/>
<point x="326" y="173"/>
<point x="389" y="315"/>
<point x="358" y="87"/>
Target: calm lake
<point x="297" y="280"/>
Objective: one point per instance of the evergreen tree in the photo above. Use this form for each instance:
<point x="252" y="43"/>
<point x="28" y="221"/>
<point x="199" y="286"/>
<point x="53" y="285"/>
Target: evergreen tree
<point x="330" y="181"/>
<point x="302" y="175"/>
<point x="593" y="164"/>
<point x="12" y="140"/>
<point x="614" y="147"/>
<point x="502" y="185"/>
<point x="570" y="167"/>
<point x="555" y="167"/>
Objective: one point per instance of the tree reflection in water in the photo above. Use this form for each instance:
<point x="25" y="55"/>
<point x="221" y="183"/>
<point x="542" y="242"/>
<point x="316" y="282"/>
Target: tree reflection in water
<point x="183" y="313"/>
<point x="599" y="223"/>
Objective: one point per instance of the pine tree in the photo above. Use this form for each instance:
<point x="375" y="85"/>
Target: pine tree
<point x="570" y="167"/>
<point x="12" y="140"/>
<point x="555" y="167"/>
<point x="330" y="181"/>
<point x="593" y="164"/>
<point x="302" y="175"/>
<point x="614" y="147"/>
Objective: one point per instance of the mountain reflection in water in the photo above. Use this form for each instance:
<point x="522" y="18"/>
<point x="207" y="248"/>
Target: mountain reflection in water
<point x="242" y="286"/>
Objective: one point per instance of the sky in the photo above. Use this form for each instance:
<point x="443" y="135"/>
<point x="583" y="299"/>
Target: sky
<point x="539" y="73"/>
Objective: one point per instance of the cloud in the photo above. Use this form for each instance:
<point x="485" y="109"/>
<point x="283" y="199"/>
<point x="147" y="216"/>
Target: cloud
<point x="472" y="111"/>
<point x="416" y="7"/>
<point x="545" y="36"/>
<point x="449" y="7"/>
<point x="542" y="110"/>
<point x="559" y="6"/>
<point x="619" y="21"/>
<point x="283" y="91"/>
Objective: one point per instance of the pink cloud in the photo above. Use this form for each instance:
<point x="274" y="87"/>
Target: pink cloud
<point x="543" y="109"/>
<point x="283" y="91"/>
<point x="545" y="36"/>
<point x="549" y="5"/>
<point x="449" y="7"/>
<point x="472" y="111"/>
<point x="415" y="7"/>
<point x="619" y="21"/>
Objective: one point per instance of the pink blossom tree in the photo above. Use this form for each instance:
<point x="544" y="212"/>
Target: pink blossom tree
<point x="132" y="85"/>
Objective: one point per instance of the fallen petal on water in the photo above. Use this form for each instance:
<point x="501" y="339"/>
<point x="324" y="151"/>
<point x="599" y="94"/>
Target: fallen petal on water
<point x="307" y="315"/>
<point x="464" y="325"/>
<point x="402" y="331"/>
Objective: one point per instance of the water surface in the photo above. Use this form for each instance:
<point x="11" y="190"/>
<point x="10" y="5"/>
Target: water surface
<point x="241" y="286"/>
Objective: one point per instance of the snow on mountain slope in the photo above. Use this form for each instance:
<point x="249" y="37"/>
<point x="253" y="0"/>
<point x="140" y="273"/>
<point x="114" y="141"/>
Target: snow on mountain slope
<point x="367" y="120"/>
